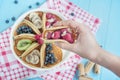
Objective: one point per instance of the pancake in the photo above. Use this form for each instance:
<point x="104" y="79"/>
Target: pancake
<point x="35" y="46"/>
<point x="58" y="55"/>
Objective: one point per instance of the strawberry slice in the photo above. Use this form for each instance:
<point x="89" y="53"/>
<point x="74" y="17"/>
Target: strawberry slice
<point x="56" y="35"/>
<point x="68" y="37"/>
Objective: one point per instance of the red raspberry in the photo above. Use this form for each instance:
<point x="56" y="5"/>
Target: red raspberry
<point x="37" y="37"/>
<point x="49" y="16"/>
<point x="40" y="41"/>
<point x="48" y="24"/>
<point x="62" y="30"/>
<point x="68" y="37"/>
<point x="49" y="34"/>
<point x="56" y="35"/>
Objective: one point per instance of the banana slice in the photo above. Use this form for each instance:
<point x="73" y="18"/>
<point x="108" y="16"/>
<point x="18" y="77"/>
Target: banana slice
<point x="22" y="36"/>
<point x="36" y="20"/>
<point x="31" y="25"/>
<point x="33" y="57"/>
<point x="33" y="46"/>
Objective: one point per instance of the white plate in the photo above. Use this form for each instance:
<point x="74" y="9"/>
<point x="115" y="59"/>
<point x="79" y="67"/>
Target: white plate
<point x="66" y="54"/>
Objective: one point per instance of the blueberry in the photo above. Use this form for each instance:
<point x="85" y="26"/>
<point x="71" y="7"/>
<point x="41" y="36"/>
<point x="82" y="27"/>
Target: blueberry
<point x="29" y="6"/>
<point x="49" y="45"/>
<point x="52" y="62"/>
<point x="7" y="21"/>
<point x="37" y="3"/>
<point x="49" y="55"/>
<point x="15" y="1"/>
<point x="46" y="58"/>
<point x="13" y="18"/>
<point x="49" y="48"/>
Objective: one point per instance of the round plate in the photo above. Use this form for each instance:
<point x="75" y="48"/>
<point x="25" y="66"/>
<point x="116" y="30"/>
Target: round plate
<point x="66" y="54"/>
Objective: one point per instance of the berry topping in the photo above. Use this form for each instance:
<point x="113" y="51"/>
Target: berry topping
<point x="68" y="37"/>
<point x="24" y="29"/>
<point x="49" y="35"/>
<point x="50" y="58"/>
<point x="39" y="39"/>
<point x="56" y="35"/>
<point x="49" y="15"/>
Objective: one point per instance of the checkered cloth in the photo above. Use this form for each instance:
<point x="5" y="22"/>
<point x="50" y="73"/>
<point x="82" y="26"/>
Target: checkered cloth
<point x="12" y="69"/>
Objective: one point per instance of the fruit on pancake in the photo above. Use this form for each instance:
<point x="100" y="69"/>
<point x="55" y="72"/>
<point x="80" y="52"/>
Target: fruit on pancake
<point x="33" y="57"/>
<point x="34" y="17"/>
<point x="23" y="44"/>
<point x="56" y="34"/>
<point x="24" y="29"/>
<point x="65" y="34"/>
<point x="68" y="37"/>
<point x="50" y="58"/>
<point x="39" y="38"/>
<point x="50" y="20"/>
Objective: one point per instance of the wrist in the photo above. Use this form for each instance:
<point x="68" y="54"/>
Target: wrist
<point x="95" y="54"/>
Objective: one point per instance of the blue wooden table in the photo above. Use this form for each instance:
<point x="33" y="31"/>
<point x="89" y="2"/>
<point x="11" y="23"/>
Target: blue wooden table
<point x="108" y="34"/>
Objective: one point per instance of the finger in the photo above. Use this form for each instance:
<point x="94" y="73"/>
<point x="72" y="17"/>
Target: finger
<point x="64" y="23"/>
<point x="63" y="45"/>
<point x="72" y="24"/>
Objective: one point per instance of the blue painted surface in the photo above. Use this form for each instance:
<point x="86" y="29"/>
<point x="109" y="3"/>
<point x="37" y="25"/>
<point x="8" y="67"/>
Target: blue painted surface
<point x="108" y="34"/>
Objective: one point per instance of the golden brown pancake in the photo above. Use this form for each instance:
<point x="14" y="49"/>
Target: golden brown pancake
<point x="56" y="50"/>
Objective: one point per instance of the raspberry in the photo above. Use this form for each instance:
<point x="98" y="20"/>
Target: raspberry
<point x="40" y="41"/>
<point x="37" y="37"/>
<point x="49" y="15"/>
<point x="68" y="37"/>
<point x="62" y="30"/>
<point x="49" y="35"/>
<point x="56" y="35"/>
<point x="48" y="24"/>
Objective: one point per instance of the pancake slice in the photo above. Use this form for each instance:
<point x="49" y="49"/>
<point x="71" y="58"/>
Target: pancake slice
<point x="44" y="21"/>
<point x="42" y="55"/>
<point x="33" y="58"/>
<point x="57" y="52"/>
<point x="22" y="36"/>
<point x="32" y="26"/>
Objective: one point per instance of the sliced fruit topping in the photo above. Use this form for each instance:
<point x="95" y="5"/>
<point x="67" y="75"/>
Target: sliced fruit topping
<point x="39" y="39"/>
<point x="50" y="58"/>
<point x="50" y="20"/>
<point x="65" y="34"/>
<point x="33" y="57"/>
<point x="68" y="37"/>
<point x="56" y="34"/>
<point x="23" y="44"/>
<point x="49" y="16"/>
<point x="24" y="29"/>
<point x="34" y="17"/>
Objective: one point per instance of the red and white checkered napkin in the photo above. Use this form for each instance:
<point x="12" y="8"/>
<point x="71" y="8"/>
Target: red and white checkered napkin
<point x="11" y="69"/>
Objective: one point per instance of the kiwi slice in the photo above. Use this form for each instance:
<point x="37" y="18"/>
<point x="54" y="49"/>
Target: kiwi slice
<point x="23" y="44"/>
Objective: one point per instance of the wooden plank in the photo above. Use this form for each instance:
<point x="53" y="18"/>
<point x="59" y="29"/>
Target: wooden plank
<point x="101" y="9"/>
